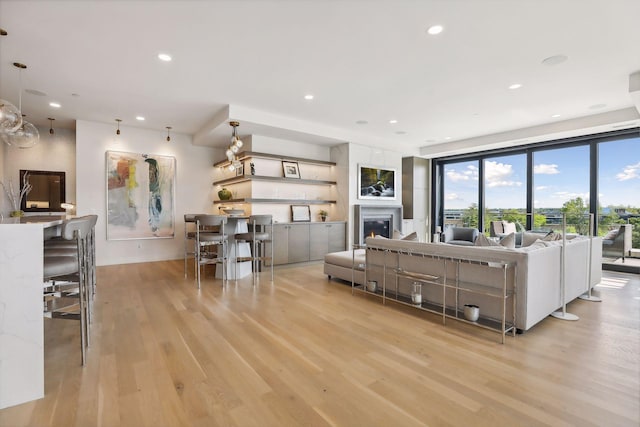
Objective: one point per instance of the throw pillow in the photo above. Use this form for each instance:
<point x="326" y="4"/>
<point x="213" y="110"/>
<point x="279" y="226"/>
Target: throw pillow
<point x="529" y="238"/>
<point x="413" y="237"/>
<point x="509" y="241"/>
<point x="612" y="234"/>
<point x="396" y="235"/>
<point x="483" y="240"/>
<point x="552" y="236"/>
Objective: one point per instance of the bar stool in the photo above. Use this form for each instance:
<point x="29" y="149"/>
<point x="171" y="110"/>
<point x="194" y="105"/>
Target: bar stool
<point x="189" y="240"/>
<point x="69" y="265"/>
<point x="210" y="231"/>
<point x="261" y="232"/>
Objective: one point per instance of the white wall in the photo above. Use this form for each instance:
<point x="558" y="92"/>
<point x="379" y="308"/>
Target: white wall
<point x="52" y="153"/>
<point x="194" y="190"/>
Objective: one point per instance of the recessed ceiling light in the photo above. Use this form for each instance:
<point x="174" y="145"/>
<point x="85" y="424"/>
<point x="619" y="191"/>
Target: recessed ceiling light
<point x="555" y="60"/>
<point x="430" y="141"/>
<point x="75" y="95"/>
<point x="435" y="29"/>
<point x="393" y="122"/>
<point x="54" y="105"/>
<point x="308" y="97"/>
<point x="361" y="122"/>
<point x="140" y="118"/>
<point x="164" y="57"/>
<point x="400" y="132"/>
<point x="447" y="138"/>
<point x="515" y="86"/>
<point x="597" y="106"/>
<point x="555" y="116"/>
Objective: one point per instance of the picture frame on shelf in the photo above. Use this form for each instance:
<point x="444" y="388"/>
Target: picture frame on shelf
<point x="376" y="183"/>
<point x="291" y="169"/>
<point x="240" y="170"/>
<point x="300" y="213"/>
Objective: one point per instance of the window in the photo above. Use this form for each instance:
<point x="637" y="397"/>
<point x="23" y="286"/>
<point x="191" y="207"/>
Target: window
<point x="461" y="194"/>
<point x="505" y="189"/>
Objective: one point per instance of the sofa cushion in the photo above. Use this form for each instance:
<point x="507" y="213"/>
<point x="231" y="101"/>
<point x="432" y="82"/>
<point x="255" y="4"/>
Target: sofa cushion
<point x="528" y="238"/>
<point x="509" y="241"/>
<point x="346" y="258"/>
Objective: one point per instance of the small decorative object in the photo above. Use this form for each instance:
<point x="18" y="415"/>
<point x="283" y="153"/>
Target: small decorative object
<point x="471" y="312"/>
<point x="291" y="169"/>
<point x="16" y="214"/>
<point x="240" y="169"/>
<point x="15" y="197"/>
<point x="323" y="215"/>
<point x="416" y="293"/>
<point x="253" y="168"/>
<point x="224" y="194"/>
<point x="372" y="286"/>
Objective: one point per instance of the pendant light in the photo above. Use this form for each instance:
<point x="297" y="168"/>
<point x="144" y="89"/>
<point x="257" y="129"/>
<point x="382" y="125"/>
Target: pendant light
<point x="118" y="130"/>
<point x="168" y="133"/>
<point x="26" y="135"/>
<point x="234" y="148"/>
<point x="51" y="131"/>
<point x="10" y="116"/>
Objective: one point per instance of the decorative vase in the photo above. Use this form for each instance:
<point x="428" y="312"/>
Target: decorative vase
<point x="323" y="218"/>
<point x="16" y="214"/>
<point x="416" y="293"/>
<point x="224" y="194"/>
<point x="471" y="312"/>
<point x="372" y="285"/>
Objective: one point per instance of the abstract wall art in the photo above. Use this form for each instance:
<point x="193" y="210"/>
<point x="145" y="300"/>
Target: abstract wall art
<point x="140" y="196"/>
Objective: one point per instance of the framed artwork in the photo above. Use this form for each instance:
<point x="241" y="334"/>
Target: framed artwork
<point x="291" y="169"/>
<point x="376" y="183"/>
<point x="240" y="170"/>
<point x="300" y="213"/>
<point x="140" y="196"/>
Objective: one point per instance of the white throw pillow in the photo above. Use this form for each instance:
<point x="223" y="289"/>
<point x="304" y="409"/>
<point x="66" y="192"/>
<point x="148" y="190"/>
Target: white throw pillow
<point x="509" y="241"/>
<point x="412" y="237"/>
<point x="529" y="238"/>
<point x="396" y="235"/>
<point x="483" y="240"/>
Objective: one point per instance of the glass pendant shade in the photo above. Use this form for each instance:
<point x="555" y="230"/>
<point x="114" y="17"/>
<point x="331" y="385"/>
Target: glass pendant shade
<point x="235" y="149"/>
<point x="232" y="167"/>
<point x="10" y="117"/>
<point x="25" y="137"/>
<point x="238" y="143"/>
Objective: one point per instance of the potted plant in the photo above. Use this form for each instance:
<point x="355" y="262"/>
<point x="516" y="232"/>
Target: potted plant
<point x="323" y="215"/>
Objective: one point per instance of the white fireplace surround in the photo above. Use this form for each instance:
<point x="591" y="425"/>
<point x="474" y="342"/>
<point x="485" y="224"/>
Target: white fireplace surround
<point x="375" y="211"/>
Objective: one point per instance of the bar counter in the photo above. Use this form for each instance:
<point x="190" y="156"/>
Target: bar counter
<point x="21" y="307"/>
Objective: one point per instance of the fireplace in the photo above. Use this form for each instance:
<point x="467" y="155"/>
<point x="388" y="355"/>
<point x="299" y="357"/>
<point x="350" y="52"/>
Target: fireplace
<point x="377" y="226"/>
<point x="377" y="219"/>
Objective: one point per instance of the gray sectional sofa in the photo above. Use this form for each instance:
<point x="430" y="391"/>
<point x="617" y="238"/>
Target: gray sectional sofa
<point x="537" y="278"/>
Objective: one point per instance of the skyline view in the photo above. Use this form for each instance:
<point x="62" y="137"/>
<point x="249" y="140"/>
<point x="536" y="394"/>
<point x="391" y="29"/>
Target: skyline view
<point x="559" y="175"/>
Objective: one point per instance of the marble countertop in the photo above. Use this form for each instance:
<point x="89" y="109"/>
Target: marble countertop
<point x="44" y="220"/>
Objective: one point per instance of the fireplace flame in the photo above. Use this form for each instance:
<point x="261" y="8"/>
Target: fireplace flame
<point x="372" y="235"/>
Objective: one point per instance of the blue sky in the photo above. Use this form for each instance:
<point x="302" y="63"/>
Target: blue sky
<point x="559" y="175"/>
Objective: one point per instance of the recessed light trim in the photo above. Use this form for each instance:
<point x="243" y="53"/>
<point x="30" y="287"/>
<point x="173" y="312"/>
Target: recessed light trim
<point x="515" y="86"/>
<point x="393" y="121"/>
<point x="361" y="122"/>
<point x="401" y="132"/>
<point x="54" y="105"/>
<point x="555" y="116"/>
<point x="165" y="57"/>
<point x="140" y="118"/>
<point x="435" y="29"/>
<point x="447" y="138"/>
<point x="597" y="106"/>
<point x="308" y="97"/>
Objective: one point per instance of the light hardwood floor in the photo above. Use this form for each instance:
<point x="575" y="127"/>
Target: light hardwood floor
<point x="304" y="351"/>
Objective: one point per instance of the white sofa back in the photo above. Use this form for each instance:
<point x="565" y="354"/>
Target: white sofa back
<point x="537" y="271"/>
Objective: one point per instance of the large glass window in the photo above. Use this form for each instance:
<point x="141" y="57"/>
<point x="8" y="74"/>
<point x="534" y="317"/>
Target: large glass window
<point x="619" y="186"/>
<point x="561" y="185"/>
<point x="461" y="194"/>
<point x="505" y="189"/>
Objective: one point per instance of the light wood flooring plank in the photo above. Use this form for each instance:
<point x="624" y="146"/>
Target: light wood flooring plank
<point x="305" y="351"/>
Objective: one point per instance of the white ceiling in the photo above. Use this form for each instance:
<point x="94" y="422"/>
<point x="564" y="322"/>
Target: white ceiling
<point x="362" y="60"/>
